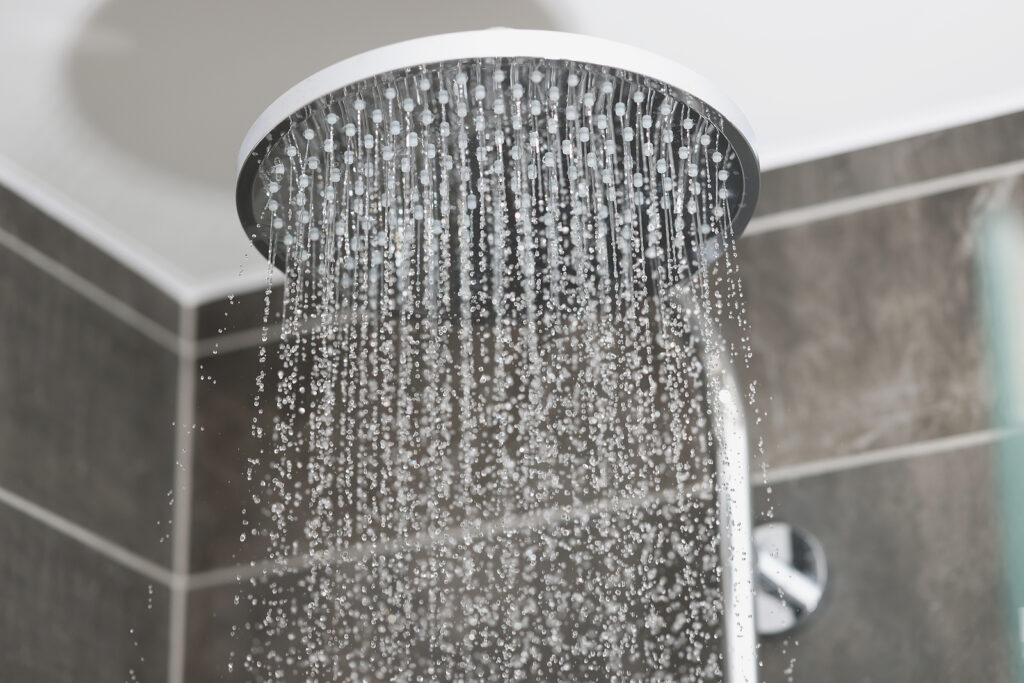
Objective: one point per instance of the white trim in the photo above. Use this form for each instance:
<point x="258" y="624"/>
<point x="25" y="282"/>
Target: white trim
<point x="181" y="528"/>
<point x="933" y="120"/>
<point x="844" y="463"/>
<point x="469" y="531"/>
<point x="94" y="230"/>
<point x="238" y="284"/>
<point x="879" y="198"/>
<point x="220" y="576"/>
<point x="183" y="444"/>
<point x="495" y="42"/>
<point x="90" y="539"/>
<point x="103" y="299"/>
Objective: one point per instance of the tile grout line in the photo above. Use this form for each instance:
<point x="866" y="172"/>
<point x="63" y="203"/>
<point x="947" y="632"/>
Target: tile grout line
<point x="226" y="575"/>
<point x="92" y="540"/>
<point x="74" y="218"/>
<point x="101" y="298"/>
<point x="236" y="341"/>
<point x="881" y="456"/>
<point x="921" y="189"/>
<point x="184" y="581"/>
<point x="469" y="531"/>
<point x="183" y="479"/>
<point x="248" y="338"/>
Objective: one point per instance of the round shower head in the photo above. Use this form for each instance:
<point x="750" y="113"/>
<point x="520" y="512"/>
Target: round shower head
<point x="501" y="136"/>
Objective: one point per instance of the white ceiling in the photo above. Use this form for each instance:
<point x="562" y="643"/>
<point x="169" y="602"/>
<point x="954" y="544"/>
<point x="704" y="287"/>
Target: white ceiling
<point x="123" y="117"/>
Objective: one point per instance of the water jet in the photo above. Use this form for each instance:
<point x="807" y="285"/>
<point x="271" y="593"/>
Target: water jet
<point x="498" y="249"/>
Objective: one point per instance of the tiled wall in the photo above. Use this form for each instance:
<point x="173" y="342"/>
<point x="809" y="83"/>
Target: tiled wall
<point x="868" y="347"/>
<point x="868" y="356"/>
<point x="89" y="391"/>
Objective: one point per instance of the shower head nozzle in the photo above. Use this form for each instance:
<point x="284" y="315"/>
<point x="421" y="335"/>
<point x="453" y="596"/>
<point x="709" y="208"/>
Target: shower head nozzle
<point x="539" y="141"/>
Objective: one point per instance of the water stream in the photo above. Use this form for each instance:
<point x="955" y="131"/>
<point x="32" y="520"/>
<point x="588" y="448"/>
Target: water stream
<point x="484" y="416"/>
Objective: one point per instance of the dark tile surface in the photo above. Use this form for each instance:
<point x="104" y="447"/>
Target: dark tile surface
<point x="975" y="145"/>
<point x="616" y="579"/>
<point x="865" y="330"/>
<point x="223" y="445"/>
<point x="70" y="615"/>
<point x="29" y="224"/>
<point x="86" y="411"/>
<point x="915" y="590"/>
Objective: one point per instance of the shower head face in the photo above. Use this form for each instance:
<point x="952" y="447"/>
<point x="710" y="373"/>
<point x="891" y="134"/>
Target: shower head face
<point x="553" y="156"/>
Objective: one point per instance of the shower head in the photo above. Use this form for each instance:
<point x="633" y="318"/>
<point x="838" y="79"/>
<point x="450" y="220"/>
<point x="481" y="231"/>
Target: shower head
<point x="566" y="151"/>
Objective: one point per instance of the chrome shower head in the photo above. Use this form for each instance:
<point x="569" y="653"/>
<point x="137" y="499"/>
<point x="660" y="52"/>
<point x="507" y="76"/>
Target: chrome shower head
<point x="567" y="153"/>
<point x="553" y="188"/>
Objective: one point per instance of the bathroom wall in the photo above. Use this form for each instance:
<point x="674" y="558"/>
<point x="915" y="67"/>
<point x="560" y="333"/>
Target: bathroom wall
<point x="89" y="369"/>
<point x="869" y="356"/>
<point x="869" y="363"/>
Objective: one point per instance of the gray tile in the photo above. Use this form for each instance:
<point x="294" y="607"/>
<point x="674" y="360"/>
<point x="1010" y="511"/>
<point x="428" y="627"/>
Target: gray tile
<point x="865" y="331"/>
<point x="223" y="447"/>
<point x="23" y="220"/>
<point x="614" y="579"/>
<point x="230" y="463"/>
<point x="86" y="411"/>
<point x="915" y="592"/>
<point x="976" y="145"/>
<point x="219" y="636"/>
<point x="69" y="615"/>
<point x="238" y="312"/>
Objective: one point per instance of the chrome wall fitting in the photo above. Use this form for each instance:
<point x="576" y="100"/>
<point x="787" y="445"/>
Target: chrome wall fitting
<point x="791" y="577"/>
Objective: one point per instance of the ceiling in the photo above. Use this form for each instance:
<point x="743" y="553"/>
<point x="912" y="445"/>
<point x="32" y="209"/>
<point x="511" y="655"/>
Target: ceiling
<point x="123" y="117"/>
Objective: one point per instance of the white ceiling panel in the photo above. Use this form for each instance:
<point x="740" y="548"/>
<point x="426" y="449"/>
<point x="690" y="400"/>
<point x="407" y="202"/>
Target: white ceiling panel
<point x="124" y="117"/>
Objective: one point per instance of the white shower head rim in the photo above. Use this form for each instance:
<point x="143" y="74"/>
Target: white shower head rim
<point x="494" y="43"/>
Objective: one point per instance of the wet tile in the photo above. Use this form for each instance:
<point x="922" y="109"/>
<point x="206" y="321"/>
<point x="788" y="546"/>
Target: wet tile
<point x="916" y="579"/>
<point x="223" y="447"/>
<point x="23" y="220"/>
<point x="590" y="599"/>
<point x="865" y="331"/>
<point x="68" y="614"/>
<point x="219" y="637"/>
<point x="976" y="145"/>
<point x="86" y="411"/>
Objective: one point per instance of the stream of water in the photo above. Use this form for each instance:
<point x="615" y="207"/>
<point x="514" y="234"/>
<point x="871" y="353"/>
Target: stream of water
<point x="484" y="417"/>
